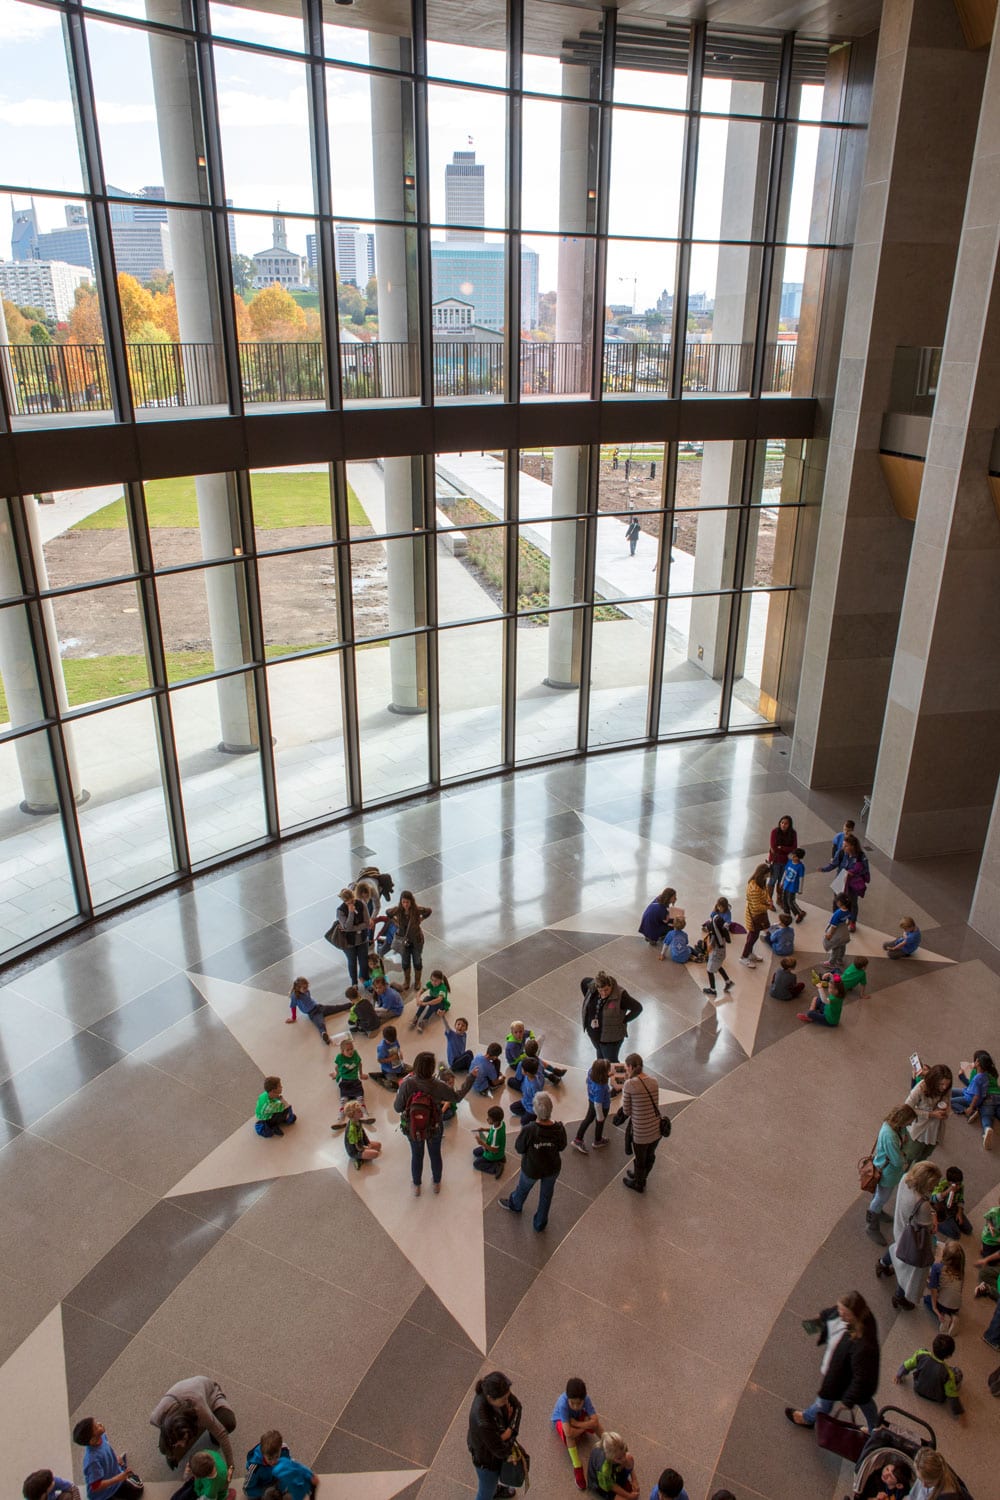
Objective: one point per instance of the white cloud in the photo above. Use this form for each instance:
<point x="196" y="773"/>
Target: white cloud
<point x="35" y="112"/>
<point x="22" y="23"/>
<point x="245" y="110"/>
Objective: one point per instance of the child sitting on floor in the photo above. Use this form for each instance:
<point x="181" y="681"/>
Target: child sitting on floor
<point x="551" y="1072"/>
<point x="490" y="1152"/>
<point x="908" y="941"/>
<point x="532" y="1082"/>
<point x="573" y="1415"/>
<point x="675" y="944"/>
<point x="361" y="1016"/>
<point x="435" y="1000"/>
<point x="392" y="1068"/>
<point x="784" y="985"/>
<point x="349" y="1074"/>
<point x="780" y="938"/>
<point x="272" y="1110"/>
<point x="457" y="1042"/>
<point x="827" y="1005"/>
<point x="933" y="1377"/>
<point x="611" y="1468"/>
<point x="356" y="1143"/>
<point x="948" y="1203"/>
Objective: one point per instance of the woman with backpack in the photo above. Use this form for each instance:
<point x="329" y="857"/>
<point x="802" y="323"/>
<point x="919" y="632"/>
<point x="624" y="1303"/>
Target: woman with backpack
<point x="494" y="1421"/>
<point x="419" y="1100"/>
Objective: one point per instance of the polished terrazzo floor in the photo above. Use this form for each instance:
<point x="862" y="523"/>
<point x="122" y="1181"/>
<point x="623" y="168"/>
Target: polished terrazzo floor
<point x="148" y="1234"/>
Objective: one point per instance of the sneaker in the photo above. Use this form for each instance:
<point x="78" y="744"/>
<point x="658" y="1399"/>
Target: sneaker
<point x="435" y="1187"/>
<point x="852" y="926"/>
<point x="801" y="1016"/>
<point x="748" y="963"/>
<point x="326" y="1038"/>
<point x="728" y="986"/>
<point x="276" y="1130"/>
<point x="800" y="918"/>
<point x="506" y="1203"/>
<point x="599" y="1144"/>
<point x="579" y="1146"/>
<point x="988" y="1138"/>
<point x="416" y="1190"/>
<point x="504" y="1492"/>
<point x="707" y="991"/>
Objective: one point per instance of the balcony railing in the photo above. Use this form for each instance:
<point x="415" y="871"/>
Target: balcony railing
<point x="47" y="379"/>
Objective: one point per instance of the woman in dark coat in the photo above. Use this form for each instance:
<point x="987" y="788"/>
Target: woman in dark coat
<point x="784" y="842"/>
<point x="850" y="1367"/>
<point x="494" y="1421"/>
<point x="658" y="917"/>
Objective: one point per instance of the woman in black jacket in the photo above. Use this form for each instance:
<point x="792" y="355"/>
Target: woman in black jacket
<point x="493" y="1426"/>
<point x="850" y="1367"/>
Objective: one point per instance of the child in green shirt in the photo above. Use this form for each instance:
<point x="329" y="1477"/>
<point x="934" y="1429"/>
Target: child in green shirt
<point x="435" y="999"/>
<point x="356" y="1143"/>
<point x="348" y="1072"/>
<point x="490" y="1154"/>
<point x="272" y="1111"/>
<point x="210" y="1474"/>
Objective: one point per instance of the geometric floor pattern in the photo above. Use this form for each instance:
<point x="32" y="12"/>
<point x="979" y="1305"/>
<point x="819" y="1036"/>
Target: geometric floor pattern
<point x="149" y="1234"/>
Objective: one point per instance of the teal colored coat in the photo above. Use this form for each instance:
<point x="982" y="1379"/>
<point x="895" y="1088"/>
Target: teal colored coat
<point x="889" y="1156"/>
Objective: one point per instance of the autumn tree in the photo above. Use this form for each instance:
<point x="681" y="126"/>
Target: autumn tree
<point x="165" y="313"/>
<point x="85" y="325"/>
<point x="18" y="326"/>
<point x="137" y="306"/>
<point x="275" y="314"/>
<point x="244" y="323"/>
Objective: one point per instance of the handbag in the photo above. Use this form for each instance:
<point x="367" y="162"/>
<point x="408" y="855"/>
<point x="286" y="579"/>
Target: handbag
<point x="837" y="1436"/>
<point x="336" y="936"/>
<point x="915" y="1246"/>
<point x="515" y="1467"/>
<point x="665" y="1125"/>
<point x="869" y="1175"/>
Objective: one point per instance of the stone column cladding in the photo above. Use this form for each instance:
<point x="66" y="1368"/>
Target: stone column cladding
<point x="925" y="105"/>
<point x="178" y="124"/>
<point x="940" y="753"/>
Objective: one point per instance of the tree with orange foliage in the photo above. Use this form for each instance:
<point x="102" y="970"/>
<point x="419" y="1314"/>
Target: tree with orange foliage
<point x="136" y="303"/>
<point x="18" y="327"/>
<point x="244" y="327"/>
<point x="165" y="313"/>
<point x="275" y="314"/>
<point x="85" y="325"/>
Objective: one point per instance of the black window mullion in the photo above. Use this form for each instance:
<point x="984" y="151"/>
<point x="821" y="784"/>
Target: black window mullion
<point x="82" y="84"/>
<point x="602" y="188"/>
<point x="428" y="477"/>
<point x="588" y="456"/>
<point x="662" y="589"/>
<point x="212" y="137"/>
<point x="739" y="565"/>
<point x="512" y="342"/>
<point x="422" y="160"/>
<point x="255" y="633"/>
<point x="138" y="522"/>
<point x="325" y="257"/>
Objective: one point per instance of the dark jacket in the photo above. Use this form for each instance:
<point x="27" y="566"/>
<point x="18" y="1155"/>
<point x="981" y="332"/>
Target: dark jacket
<point x="486" y="1423"/>
<point x="541" y="1143"/>
<point x="353" y="922"/>
<point x="259" y="1473"/>
<point x="612" y="1015"/>
<point x="852" y="1375"/>
<point x="408" y="922"/>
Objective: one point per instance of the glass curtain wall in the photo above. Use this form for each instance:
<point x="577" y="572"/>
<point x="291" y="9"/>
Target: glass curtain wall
<point x="219" y="208"/>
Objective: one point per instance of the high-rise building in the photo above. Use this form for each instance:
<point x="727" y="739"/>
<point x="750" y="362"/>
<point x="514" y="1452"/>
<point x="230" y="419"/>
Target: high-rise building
<point x="24" y="234"/>
<point x="476" y="274"/>
<point x="141" y="249"/>
<point x="72" y="245"/>
<point x="355" y="252"/>
<point x="791" y="299"/>
<point x="464" y="197"/>
<point x="48" y="284"/>
<point x="312" y="252"/>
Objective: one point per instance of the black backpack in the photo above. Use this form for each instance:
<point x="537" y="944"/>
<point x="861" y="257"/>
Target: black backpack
<point x="421" y="1115"/>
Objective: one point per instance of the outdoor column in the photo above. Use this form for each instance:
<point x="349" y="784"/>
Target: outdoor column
<point x="923" y="117"/>
<point x="937" y="770"/>
<point x="574" y="320"/>
<point x="178" y="113"/>
<point x="17" y="669"/>
<point x="734" y="321"/>
<point x="392" y="159"/>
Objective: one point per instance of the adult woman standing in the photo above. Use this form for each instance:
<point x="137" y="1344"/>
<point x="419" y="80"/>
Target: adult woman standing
<point x="850" y="1364"/>
<point x="759" y="903"/>
<point x="352" y="919"/>
<point x="889" y="1157"/>
<point x="658" y="916"/>
<point x="409" y="936"/>
<point x="904" y="1256"/>
<point x="930" y="1099"/>
<point x="857" y="875"/>
<point x="428" y="1129"/>
<point x="784" y="840"/>
<point x="607" y="1010"/>
<point x="494" y="1421"/>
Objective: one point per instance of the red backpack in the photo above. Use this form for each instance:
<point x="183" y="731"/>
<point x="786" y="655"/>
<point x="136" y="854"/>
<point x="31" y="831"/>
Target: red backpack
<point x="421" y="1115"/>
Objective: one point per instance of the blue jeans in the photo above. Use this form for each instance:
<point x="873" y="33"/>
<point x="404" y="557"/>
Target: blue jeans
<point x="433" y="1144"/>
<point x="987" y="1109"/>
<point x="357" y="962"/>
<point x="608" y="1050"/>
<point x="880" y="1197"/>
<point x="411" y="953"/>
<point x="488" y="1483"/>
<point x="546" y="1187"/>
<point x="868" y="1410"/>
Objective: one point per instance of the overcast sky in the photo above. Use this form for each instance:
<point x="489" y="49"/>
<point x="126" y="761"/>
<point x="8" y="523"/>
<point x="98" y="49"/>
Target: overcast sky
<point x="264" y="116"/>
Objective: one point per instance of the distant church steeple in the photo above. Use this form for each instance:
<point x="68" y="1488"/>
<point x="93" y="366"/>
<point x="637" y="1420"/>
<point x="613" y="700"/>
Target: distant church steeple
<point x="280" y="238"/>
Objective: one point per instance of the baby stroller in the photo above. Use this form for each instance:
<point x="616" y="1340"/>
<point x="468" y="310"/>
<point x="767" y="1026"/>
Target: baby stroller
<point x="892" y="1444"/>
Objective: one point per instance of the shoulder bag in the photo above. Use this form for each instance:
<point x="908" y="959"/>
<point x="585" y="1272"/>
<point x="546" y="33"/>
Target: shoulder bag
<point x="337" y="936"/>
<point x="837" y="1436"/>
<point x="869" y="1175"/>
<point x="515" y="1468"/>
<point x="915" y="1247"/>
<point x="665" y="1125"/>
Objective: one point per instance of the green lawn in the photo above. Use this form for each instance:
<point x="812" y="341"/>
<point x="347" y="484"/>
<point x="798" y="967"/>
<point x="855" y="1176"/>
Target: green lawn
<point x="279" y="501"/>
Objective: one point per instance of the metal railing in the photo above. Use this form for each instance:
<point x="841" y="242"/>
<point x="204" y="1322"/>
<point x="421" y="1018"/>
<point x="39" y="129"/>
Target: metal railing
<point x="47" y="379"/>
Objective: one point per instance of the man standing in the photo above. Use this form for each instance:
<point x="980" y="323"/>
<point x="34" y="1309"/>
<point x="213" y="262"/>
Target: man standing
<point x="541" y="1144"/>
<point x="640" y="1101"/>
<point x="607" y="1010"/>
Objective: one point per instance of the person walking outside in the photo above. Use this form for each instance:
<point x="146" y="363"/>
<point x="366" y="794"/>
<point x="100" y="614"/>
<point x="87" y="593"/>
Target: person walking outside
<point x="494" y="1421"/>
<point x="759" y="903"/>
<point x="641" y="1103"/>
<point x="607" y="1010"/>
<point x="541" y="1145"/>
<point x="420" y="1099"/>
<point x="632" y="533"/>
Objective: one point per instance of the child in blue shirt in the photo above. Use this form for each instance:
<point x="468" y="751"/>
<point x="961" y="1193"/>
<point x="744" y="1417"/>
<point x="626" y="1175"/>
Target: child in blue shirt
<point x="388" y="1001"/>
<point x="104" y="1472"/>
<point x="531" y="1081"/>
<point x="598" y="1105"/>
<point x="288" y="1476"/>
<point x="44" y="1485"/>
<point x="457" y="1043"/>
<point x="575" y="1411"/>
<point x="780" y="938"/>
<point x="907" y="943"/>
<point x="675" y="944"/>
<point x="791" y="883"/>
<point x="485" y="1069"/>
<point x="390" y="1059"/>
<point x="838" y="933"/>
<point x="669" y="1486"/>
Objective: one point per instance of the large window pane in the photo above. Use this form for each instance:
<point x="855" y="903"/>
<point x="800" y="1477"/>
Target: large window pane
<point x="651" y="64"/>
<point x="640" y="292"/>
<point x="85" y="536"/>
<point x="361" y="108"/>
<point x="246" y="23"/>
<point x="264" y="120"/>
<point x="561" y="49"/>
<point x="470" y="552"/>
<point x="631" y="477"/>
<point x="392" y="712"/>
<point x="619" y="672"/>
<point x="38" y="136"/>
<point x="741" y="72"/>
<point x="467" y="183"/>
<point x="277" y="307"/>
<point x="20" y="697"/>
<point x="645" y="201"/>
<point x="203" y="619"/>
<point x="190" y="518"/>
<point x="378" y="32"/>
<point x="298" y="601"/>
<point x="36" y="892"/>
<point x="694" y="661"/>
<point x="759" y="646"/>
<point x="548" y="682"/>
<point x="470" y="675"/>
<point x="550" y="563"/>
<point x="731" y="186"/>
<point x="292" y="507"/>
<point x="123" y="823"/>
<point x="378" y="313"/>
<point x="215" y="727"/>
<point x="101" y="643"/>
<point x="388" y="586"/>
<point x="556" y="354"/>
<point x="627" y="551"/>
<point x="703" y="545"/>
<point x="558" y="176"/>
<point x="551" y="481"/>
<point x="448" y="56"/>
<point x="307" y="725"/>
<point x="723" y="295"/>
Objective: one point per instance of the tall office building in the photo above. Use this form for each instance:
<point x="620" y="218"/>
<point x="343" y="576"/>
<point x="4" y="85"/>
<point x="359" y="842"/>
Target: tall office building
<point x="464" y="197"/>
<point x="48" y="284"/>
<point x="476" y="274"/>
<point x="24" y="234"/>
<point x="355" y="252"/>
